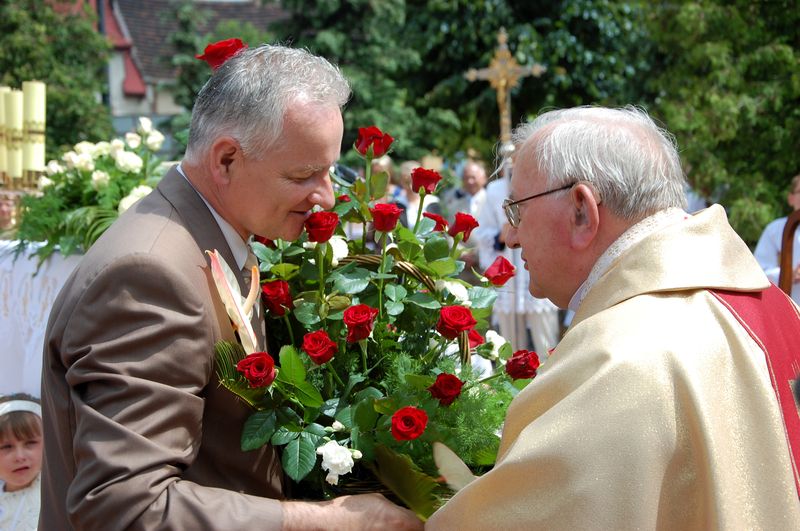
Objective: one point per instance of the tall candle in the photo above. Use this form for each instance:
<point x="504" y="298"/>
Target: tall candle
<point x="33" y="125"/>
<point x="13" y="101"/>
<point x="3" y="161"/>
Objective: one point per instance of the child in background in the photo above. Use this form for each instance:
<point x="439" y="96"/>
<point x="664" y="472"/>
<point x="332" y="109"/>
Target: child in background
<point x="20" y="462"/>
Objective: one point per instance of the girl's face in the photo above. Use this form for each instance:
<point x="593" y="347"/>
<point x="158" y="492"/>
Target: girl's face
<point x="20" y="461"/>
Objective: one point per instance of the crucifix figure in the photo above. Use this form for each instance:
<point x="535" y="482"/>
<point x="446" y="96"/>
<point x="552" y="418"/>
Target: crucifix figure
<point x="504" y="73"/>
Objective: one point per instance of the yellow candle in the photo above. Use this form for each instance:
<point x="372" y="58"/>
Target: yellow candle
<point x="33" y="125"/>
<point x="3" y="162"/>
<point x="13" y="101"/>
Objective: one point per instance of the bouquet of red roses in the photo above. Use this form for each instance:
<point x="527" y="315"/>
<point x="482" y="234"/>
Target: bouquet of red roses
<point x="374" y="340"/>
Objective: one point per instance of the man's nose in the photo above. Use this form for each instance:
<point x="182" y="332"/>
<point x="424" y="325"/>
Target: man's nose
<point x="323" y="193"/>
<point x="512" y="239"/>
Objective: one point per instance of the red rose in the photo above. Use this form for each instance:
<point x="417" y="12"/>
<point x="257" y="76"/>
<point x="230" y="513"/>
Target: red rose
<point x="500" y="271"/>
<point x="453" y="320"/>
<point x="463" y="223"/>
<point x="385" y="216"/>
<point x="441" y="223"/>
<point x="446" y="388"/>
<point x="217" y="53"/>
<point x="277" y="297"/>
<point x="344" y="198"/>
<point x="359" y="320"/>
<point x="265" y="241"/>
<point x="319" y="346"/>
<point x="258" y="368"/>
<point x="373" y="137"/>
<point x="408" y="423"/>
<point x="522" y="364"/>
<point x="428" y="179"/>
<point x="320" y="226"/>
<point x="475" y="339"/>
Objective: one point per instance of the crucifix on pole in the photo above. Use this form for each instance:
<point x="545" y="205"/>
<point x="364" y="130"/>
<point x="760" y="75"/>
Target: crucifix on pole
<point x="504" y="73"/>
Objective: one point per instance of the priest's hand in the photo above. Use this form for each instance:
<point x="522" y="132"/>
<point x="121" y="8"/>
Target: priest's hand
<point x="357" y="513"/>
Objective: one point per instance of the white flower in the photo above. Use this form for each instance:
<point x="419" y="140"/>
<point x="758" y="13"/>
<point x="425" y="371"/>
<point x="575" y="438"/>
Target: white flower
<point x="53" y="167"/>
<point x="136" y="194"/>
<point x="154" y="140"/>
<point x="309" y="245"/>
<point x="85" y="148"/>
<point x="339" y="248"/>
<point x="145" y="124"/>
<point x="117" y="146"/>
<point x="44" y="182"/>
<point x="496" y="341"/>
<point x="79" y="161"/>
<point x="128" y="162"/>
<point x="99" y="179"/>
<point x="133" y="140"/>
<point x="337" y="426"/>
<point x="456" y="289"/>
<point x="336" y="460"/>
<point x="102" y="148"/>
<point x="71" y="158"/>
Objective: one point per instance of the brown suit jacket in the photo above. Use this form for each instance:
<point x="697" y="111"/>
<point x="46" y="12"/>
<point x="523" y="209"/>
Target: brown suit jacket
<point x="138" y="434"/>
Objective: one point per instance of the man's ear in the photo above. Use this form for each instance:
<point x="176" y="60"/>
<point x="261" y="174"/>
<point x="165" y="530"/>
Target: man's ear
<point x="224" y="154"/>
<point x="584" y="216"/>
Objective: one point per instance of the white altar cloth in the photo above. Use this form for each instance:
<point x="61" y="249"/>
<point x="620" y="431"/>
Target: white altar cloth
<point x="25" y="302"/>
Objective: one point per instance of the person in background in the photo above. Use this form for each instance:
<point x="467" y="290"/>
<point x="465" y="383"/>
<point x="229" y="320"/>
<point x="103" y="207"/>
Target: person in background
<point x="658" y="408"/>
<point x="768" y="249"/>
<point x="468" y="198"/>
<point x="139" y="434"/>
<point x="20" y="462"/>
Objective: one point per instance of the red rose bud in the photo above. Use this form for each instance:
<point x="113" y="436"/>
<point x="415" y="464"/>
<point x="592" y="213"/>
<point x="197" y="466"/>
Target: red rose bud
<point x="463" y="223"/>
<point x="374" y="137"/>
<point x="446" y="388"/>
<point x="321" y="225"/>
<point x="344" y="198"/>
<point x="408" y="423"/>
<point x="217" y="53"/>
<point x="441" y="223"/>
<point x="277" y="297"/>
<point x="258" y="368"/>
<point x="385" y="216"/>
<point x="359" y="320"/>
<point x="422" y="178"/>
<point x="263" y="240"/>
<point x="475" y="339"/>
<point x="522" y="364"/>
<point x="454" y="320"/>
<point x="319" y="346"/>
<point x="500" y="271"/>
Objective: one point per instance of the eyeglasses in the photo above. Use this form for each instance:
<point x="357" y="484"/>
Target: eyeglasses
<point x="511" y="208"/>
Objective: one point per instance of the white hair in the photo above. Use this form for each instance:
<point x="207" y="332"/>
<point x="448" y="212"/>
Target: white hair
<point x="632" y="163"/>
<point x="247" y="97"/>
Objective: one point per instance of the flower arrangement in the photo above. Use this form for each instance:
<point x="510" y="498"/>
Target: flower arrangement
<point x="375" y="342"/>
<point x="81" y="194"/>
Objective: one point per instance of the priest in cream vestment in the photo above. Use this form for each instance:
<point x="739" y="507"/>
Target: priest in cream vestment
<point x="656" y="410"/>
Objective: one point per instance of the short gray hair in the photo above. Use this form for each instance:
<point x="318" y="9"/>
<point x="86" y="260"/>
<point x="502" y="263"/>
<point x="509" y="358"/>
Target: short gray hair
<point x="247" y="97"/>
<point x="631" y="161"/>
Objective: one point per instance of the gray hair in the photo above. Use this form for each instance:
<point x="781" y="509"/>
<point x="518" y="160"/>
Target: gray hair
<point x="247" y="97"/>
<point x="632" y="163"/>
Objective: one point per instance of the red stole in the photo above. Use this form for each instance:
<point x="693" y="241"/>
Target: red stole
<point x="774" y="323"/>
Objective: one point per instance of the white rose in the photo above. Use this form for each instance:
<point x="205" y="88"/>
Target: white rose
<point x="456" y="289"/>
<point x="102" y="148"/>
<point x="85" y="162"/>
<point x="71" y="158"/>
<point x="497" y="341"/>
<point x="84" y="147"/>
<point x="337" y="426"/>
<point x="53" y="167"/>
<point x="336" y="460"/>
<point x="99" y="179"/>
<point x="43" y="182"/>
<point x="128" y="162"/>
<point x="117" y="145"/>
<point x="154" y="140"/>
<point x="339" y="249"/>
<point x="145" y="124"/>
<point x="133" y="140"/>
<point x="136" y="194"/>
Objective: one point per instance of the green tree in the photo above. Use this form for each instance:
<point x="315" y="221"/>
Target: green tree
<point x="66" y="52"/>
<point x="729" y="89"/>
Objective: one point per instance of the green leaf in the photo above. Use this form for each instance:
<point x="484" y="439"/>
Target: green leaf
<point x="353" y="282"/>
<point x="293" y="250"/>
<point x="415" y="488"/>
<point x="258" y="429"/>
<point x="394" y="308"/>
<point x="316" y="429"/>
<point x="420" y="382"/>
<point x="299" y="457"/>
<point x="436" y="247"/>
<point x="345" y="416"/>
<point x="482" y="297"/>
<point x="378" y="183"/>
<point x="395" y="292"/>
<point x="365" y="415"/>
<point x="308" y="395"/>
<point x="284" y="271"/>
<point x="283" y="435"/>
<point x="443" y="267"/>
<point x="424" y="300"/>
<point x="265" y="254"/>
<point x="307" y="313"/>
<point x="292" y="370"/>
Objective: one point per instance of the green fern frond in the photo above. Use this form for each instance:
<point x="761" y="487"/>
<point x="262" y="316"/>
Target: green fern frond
<point x="415" y="488"/>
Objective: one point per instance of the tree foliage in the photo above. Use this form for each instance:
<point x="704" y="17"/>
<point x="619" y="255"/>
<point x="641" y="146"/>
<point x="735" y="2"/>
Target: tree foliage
<point x="66" y="52"/>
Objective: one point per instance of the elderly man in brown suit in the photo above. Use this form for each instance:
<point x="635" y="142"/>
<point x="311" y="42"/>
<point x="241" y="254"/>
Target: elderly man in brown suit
<point x="138" y="433"/>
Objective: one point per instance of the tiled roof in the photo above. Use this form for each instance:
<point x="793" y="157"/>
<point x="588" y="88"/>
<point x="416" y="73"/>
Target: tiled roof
<point x="148" y="24"/>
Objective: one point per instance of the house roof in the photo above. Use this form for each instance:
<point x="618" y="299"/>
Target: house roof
<point x="147" y="24"/>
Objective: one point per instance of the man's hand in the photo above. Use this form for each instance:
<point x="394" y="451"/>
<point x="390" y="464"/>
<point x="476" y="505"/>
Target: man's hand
<point x="351" y="513"/>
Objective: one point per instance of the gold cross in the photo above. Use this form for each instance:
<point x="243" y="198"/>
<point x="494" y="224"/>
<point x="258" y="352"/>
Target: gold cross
<point x="504" y="73"/>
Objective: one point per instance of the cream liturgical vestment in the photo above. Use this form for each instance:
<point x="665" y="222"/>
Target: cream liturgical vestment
<point x="655" y="411"/>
